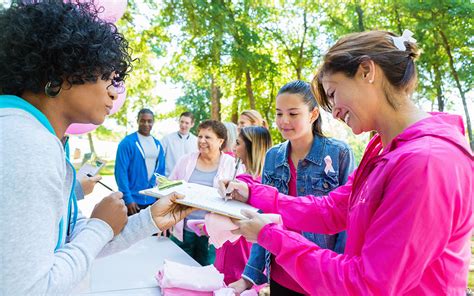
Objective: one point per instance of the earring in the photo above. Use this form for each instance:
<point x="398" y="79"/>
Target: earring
<point x="51" y="92"/>
<point x="371" y="81"/>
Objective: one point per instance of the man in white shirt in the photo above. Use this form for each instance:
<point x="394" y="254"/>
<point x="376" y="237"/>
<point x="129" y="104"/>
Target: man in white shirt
<point x="179" y="143"/>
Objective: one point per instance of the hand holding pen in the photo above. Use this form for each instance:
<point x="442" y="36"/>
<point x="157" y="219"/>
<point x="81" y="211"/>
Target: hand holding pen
<point x="227" y="195"/>
<point x="90" y="176"/>
<point x="234" y="189"/>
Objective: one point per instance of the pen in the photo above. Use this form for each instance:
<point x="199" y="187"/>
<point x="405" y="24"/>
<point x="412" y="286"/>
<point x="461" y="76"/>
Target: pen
<point x="233" y="178"/>
<point x="89" y="175"/>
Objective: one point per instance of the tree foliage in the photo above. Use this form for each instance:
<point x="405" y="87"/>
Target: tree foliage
<point x="229" y="56"/>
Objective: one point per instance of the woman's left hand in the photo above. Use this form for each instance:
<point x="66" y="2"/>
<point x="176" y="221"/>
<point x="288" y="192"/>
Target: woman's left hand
<point x="88" y="183"/>
<point x="251" y="227"/>
<point x="166" y="213"/>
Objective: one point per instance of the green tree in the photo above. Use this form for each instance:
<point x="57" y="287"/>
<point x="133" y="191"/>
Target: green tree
<point x="452" y="27"/>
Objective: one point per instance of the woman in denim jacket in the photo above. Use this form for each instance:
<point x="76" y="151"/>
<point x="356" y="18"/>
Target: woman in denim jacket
<point x="307" y="163"/>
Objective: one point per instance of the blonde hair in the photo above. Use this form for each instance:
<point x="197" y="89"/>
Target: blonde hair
<point x="351" y="50"/>
<point x="257" y="141"/>
<point x="255" y="118"/>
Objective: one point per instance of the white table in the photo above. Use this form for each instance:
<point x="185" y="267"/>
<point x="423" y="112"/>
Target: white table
<point x="132" y="271"/>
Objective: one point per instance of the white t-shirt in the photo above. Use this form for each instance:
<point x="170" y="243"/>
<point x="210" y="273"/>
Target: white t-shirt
<point x="151" y="153"/>
<point x="176" y="146"/>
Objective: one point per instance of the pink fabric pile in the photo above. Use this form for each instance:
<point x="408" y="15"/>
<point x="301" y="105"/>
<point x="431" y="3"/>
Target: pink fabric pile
<point x="177" y="279"/>
<point x="183" y="280"/>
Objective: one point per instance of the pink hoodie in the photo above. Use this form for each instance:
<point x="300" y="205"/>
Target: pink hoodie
<point x="408" y="211"/>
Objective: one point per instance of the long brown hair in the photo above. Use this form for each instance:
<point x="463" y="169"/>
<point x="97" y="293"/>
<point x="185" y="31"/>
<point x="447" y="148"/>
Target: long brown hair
<point x="350" y="51"/>
<point x="257" y="142"/>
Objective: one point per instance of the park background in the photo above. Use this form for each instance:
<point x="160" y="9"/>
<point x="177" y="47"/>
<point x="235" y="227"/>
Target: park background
<point x="217" y="58"/>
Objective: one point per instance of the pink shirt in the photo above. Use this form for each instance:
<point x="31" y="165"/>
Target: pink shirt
<point x="278" y="273"/>
<point x="408" y="211"/>
<point x="292" y="183"/>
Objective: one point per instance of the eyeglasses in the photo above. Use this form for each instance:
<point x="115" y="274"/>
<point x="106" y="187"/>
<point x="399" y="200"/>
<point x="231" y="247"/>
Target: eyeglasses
<point x="119" y="86"/>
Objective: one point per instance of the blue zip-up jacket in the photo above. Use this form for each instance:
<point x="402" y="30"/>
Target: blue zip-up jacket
<point x="311" y="178"/>
<point x="130" y="170"/>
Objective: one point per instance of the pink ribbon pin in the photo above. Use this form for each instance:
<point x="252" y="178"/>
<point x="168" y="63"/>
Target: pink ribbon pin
<point x="328" y="168"/>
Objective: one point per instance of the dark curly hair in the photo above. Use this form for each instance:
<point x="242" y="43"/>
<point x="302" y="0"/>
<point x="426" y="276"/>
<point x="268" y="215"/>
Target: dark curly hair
<point x="51" y="41"/>
<point x="218" y="128"/>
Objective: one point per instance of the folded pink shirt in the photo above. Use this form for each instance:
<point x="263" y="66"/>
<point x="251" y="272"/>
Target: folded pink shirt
<point x="177" y="279"/>
<point x="231" y="292"/>
<point x="219" y="228"/>
<point x="176" y="275"/>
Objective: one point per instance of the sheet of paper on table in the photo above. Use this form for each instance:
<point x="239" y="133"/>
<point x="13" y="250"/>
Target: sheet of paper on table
<point x="203" y="197"/>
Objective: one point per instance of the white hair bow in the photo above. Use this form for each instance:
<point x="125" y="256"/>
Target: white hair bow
<point x="399" y="42"/>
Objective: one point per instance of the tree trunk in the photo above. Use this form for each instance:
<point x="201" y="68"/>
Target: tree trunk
<point x="458" y="84"/>
<point x="248" y="86"/>
<point x="360" y="18"/>
<point x="439" y="91"/>
<point x="234" y="117"/>
<point x="397" y="17"/>
<point x="91" y="143"/>
<point x="299" y="66"/>
<point x="269" y="106"/>
<point x="215" y="100"/>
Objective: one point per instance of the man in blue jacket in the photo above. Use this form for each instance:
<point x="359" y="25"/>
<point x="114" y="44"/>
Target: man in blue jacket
<point x="139" y="155"/>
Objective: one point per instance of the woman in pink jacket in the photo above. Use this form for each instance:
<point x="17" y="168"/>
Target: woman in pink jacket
<point x="407" y="208"/>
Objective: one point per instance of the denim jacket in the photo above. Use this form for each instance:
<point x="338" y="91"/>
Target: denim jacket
<point x="311" y="178"/>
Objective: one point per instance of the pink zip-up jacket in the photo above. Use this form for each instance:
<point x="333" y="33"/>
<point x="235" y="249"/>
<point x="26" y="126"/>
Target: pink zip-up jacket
<point x="408" y="211"/>
<point x="184" y="169"/>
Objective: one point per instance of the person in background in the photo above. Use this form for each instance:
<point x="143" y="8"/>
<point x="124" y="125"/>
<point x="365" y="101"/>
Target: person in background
<point x="249" y="118"/>
<point x="251" y="147"/>
<point x="231" y="138"/>
<point x="307" y="163"/>
<point x="408" y="208"/>
<point x="139" y="156"/>
<point x="61" y="64"/>
<point x="205" y="167"/>
<point x="180" y="143"/>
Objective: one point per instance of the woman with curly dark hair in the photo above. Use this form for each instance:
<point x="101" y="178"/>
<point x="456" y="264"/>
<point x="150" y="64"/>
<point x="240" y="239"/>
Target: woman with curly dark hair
<point x="60" y="65"/>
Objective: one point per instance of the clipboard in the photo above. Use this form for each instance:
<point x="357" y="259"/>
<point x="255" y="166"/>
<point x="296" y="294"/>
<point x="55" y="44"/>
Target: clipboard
<point x="203" y="197"/>
<point x="91" y="168"/>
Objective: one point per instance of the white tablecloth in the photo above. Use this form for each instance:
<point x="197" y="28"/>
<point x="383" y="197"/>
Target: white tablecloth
<point x="132" y="271"/>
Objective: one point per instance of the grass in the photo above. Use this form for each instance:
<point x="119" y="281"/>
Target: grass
<point x="470" y="277"/>
<point x="108" y="169"/>
<point x="470" y="280"/>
